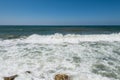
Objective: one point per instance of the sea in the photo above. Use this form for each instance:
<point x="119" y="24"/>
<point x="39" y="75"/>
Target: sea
<point x="90" y="52"/>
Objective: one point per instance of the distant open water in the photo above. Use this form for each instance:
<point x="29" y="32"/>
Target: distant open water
<point x="17" y="31"/>
<point x="83" y="52"/>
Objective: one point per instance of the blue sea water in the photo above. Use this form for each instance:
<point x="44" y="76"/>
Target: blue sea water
<point x="82" y="52"/>
<point x="29" y="30"/>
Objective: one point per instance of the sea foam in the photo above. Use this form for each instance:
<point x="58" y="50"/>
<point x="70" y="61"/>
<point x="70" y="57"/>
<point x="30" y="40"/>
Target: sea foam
<point x="83" y="57"/>
<point x="71" y="38"/>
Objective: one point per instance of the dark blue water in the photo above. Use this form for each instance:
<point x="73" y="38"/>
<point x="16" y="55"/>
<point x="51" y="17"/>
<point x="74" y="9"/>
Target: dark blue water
<point x="17" y="31"/>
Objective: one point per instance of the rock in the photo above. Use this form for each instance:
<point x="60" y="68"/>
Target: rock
<point x="61" y="77"/>
<point x="10" y="78"/>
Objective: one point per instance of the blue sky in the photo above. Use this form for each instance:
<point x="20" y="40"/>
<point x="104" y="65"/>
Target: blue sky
<point x="59" y="12"/>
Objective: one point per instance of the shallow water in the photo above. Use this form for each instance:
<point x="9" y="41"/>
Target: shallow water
<point x="83" y="57"/>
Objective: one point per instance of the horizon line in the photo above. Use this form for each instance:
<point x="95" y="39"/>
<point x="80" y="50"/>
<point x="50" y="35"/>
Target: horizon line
<point x="61" y="25"/>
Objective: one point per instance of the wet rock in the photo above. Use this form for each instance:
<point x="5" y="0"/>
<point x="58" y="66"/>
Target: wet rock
<point x="61" y="77"/>
<point x="10" y="78"/>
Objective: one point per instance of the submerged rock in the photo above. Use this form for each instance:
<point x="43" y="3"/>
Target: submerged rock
<point x="10" y="78"/>
<point x="61" y="77"/>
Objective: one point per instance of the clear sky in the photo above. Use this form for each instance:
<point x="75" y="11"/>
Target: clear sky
<point x="59" y="12"/>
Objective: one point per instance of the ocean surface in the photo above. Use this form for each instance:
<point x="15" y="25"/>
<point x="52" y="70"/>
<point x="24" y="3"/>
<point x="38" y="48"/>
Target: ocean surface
<point x="82" y="52"/>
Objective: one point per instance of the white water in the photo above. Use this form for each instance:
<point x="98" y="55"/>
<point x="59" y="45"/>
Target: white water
<point x="75" y="55"/>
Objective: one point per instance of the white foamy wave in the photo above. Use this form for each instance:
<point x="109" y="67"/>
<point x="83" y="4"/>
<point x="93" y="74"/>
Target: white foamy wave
<point x="60" y="38"/>
<point x="71" y="38"/>
<point x="90" y="57"/>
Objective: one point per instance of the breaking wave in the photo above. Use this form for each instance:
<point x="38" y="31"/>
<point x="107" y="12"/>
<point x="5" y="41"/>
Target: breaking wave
<point x="83" y="57"/>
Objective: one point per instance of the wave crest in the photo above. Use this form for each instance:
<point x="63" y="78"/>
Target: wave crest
<point x="71" y="38"/>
